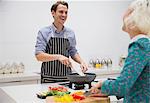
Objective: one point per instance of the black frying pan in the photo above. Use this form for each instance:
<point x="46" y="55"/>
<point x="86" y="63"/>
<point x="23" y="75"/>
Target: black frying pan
<point x="77" y="79"/>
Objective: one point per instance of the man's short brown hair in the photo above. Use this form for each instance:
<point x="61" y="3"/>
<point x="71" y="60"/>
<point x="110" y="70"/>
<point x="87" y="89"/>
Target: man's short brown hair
<point x="54" y="6"/>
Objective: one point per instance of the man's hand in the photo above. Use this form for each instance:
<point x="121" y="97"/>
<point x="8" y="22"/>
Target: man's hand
<point x="64" y="60"/>
<point x="83" y="67"/>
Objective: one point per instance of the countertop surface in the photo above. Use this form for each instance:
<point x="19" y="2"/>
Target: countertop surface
<point x="22" y="93"/>
<point x="108" y="71"/>
<point x="18" y="77"/>
<point x="27" y="93"/>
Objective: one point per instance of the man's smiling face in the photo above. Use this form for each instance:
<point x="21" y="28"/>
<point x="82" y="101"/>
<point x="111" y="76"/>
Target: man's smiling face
<point x="60" y="15"/>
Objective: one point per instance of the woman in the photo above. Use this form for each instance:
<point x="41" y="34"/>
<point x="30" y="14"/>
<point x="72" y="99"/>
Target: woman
<point x="134" y="81"/>
<point x="55" y="44"/>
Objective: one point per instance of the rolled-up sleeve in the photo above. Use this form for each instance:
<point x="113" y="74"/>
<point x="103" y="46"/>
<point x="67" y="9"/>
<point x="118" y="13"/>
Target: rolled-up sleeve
<point x="134" y="65"/>
<point x="72" y="40"/>
<point x="40" y="43"/>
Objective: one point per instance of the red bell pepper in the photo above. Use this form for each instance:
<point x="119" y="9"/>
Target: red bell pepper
<point x="78" y="97"/>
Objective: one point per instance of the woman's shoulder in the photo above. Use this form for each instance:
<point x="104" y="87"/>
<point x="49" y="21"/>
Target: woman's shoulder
<point x="144" y="40"/>
<point x="144" y="43"/>
<point x="140" y="44"/>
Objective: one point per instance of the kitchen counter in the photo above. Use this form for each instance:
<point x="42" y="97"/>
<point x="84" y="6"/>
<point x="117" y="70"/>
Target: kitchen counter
<point x="105" y="73"/>
<point x="19" y="78"/>
<point x="34" y="78"/>
<point x="27" y="93"/>
<point x="22" y="93"/>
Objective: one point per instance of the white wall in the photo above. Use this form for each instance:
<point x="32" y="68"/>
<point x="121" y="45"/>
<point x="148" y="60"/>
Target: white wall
<point x="97" y="25"/>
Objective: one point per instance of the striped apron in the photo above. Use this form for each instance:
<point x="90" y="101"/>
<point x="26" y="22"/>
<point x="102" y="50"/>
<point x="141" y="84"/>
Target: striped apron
<point x="55" y="71"/>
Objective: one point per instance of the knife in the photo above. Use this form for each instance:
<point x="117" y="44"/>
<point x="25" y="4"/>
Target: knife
<point x="87" y="93"/>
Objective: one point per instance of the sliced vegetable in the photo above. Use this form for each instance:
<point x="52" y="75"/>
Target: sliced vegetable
<point x="77" y="97"/>
<point x="65" y="98"/>
<point x="52" y="91"/>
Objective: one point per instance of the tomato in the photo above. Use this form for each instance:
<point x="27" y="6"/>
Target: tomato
<point x="59" y="91"/>
<point x="59" y="88"/>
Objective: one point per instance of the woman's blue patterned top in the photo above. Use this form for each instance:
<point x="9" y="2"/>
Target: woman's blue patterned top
<point x="134" y="80"/>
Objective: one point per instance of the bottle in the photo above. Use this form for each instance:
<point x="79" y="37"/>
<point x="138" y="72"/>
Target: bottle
<point x="97" y="64"/>
<point x="91" y="64"/>
<point x="104" y="63"/>
<point x="109" y="63"/>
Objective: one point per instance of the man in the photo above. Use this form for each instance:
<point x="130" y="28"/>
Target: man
<point x="55" y="44"/>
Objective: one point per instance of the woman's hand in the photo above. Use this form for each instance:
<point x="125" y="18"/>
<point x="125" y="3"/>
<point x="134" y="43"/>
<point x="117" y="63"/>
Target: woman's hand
<point x="83" y="67"/>
<point x="95" y="91"/>
<point x="99" y="94"/>
<point x="98" y="84"/>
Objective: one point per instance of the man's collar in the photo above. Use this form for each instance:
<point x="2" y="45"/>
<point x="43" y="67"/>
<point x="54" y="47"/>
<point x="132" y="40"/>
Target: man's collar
<point x="55" y="29"/>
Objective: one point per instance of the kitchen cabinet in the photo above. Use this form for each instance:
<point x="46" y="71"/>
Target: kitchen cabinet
<point x="19" y="79"/>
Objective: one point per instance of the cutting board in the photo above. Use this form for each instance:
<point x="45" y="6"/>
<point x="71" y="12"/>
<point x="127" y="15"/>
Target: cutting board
<point x="50" y="99"/>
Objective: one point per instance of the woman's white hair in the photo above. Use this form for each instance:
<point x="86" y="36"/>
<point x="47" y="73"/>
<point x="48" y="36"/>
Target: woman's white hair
<point x="141" y="15"/>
